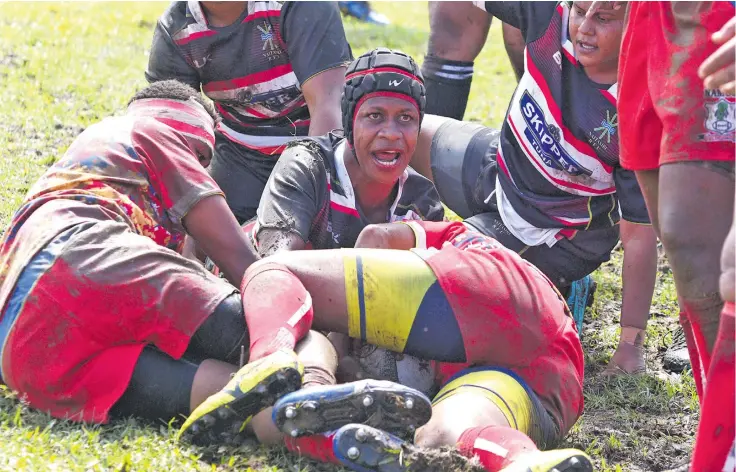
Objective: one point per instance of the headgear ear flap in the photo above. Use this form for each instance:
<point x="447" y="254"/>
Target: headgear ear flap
<point x="380" y="70"/>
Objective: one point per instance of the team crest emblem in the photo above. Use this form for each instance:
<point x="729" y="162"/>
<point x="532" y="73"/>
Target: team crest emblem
<point x="267" y="36"/>
<point x="720" y="120"/>
<point x="608" y="127"/>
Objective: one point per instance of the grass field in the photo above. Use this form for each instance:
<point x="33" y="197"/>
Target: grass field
<point x="65" y="66"/>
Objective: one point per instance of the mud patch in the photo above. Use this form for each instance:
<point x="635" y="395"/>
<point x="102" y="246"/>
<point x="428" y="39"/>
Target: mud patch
<point x="438" y="460"/>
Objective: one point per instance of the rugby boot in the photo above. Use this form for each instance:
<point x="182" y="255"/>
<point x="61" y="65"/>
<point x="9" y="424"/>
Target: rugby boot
<point x="366" y="449"/>
<point x="387" y="405"/>
<point x="223" y="416"/>
<point x="555" y="460"/>
<point x="579" y="298"/>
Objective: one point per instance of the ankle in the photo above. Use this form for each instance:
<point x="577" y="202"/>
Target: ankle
<point x="633" y="336"/>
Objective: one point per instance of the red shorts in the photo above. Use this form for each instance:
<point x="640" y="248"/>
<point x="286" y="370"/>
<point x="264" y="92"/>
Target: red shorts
<point x="511" y="316"/>
<point x="716" y="430"/>
<point x="665" y="113"/>
<point x="84" y="308"/>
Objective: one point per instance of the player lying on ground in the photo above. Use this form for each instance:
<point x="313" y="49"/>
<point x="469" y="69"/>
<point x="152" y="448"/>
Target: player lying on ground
<point x="507" y="351"/>
<point x="273" y="70"/>
<point x="549" y="185"/>
<point x="325" y="190"/>
<point x="679" y="138"/>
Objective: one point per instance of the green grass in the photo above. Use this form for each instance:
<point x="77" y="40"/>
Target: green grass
<point x="67" y="65"/>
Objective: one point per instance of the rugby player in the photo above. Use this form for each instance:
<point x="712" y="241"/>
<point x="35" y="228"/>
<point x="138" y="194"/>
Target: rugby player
<point x="678" y="134"/>
<point x="549" y="184"/>
<point x="274" y="70"/>
<point x="325" y="190"/>
<point x="506" y="348"/>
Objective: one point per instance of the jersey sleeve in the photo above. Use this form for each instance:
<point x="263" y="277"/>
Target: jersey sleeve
<point x="166" y="61"/>
<point x="174" y="171"/>
<point x="315" y="38"/>
<point x="294" y="193"/>
<point x="633" y="206"/>
<point x="419" y="200"/>
<point x="532" y="18"/>
<point x="433" y="234"/>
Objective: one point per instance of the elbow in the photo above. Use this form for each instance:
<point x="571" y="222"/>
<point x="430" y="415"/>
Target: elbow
<point x="373" y="236"/>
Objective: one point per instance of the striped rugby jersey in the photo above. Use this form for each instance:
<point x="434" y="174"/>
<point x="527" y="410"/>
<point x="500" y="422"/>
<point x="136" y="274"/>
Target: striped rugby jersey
<point x="558" y="155"/>
<point x="310" y="193"/>
<point x="254" y="68"/>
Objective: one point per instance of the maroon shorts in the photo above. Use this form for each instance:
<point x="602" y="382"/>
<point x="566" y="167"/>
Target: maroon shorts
<point x="665" y="113"/>
<point x="84" y="308"/>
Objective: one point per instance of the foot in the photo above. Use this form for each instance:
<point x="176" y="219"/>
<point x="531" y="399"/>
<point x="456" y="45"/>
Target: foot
<point x="627" y="360"/>
<point x="365" y="449"/>
<point x="677" y="358"/>
<point x="222" y="417"/>
<point x="556" y="460"/>
<point x="387" y="405"/>
<point x="580" y="297"/>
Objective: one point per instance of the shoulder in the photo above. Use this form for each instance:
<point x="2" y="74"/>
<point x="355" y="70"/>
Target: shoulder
<point x="417" y="183"/>
<point x="176" y="18"/>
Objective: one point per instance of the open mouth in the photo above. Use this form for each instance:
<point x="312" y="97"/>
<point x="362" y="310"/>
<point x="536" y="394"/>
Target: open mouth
<point x="586" y="47"/>
<point x="386" y="159"/>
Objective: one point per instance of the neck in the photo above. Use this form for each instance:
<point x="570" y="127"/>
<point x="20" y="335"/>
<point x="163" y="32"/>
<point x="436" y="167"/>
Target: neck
<point x="373" y="198"/>
<point x="220" y="14"/>
<point x="604" y="75"/>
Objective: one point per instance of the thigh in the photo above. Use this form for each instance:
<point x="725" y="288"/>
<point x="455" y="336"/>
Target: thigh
<point x="242" y="175"/>
<point x="693" y="237"/>
<point x="572" y="259"/>
<point x="87" y="305"/>
<point x="388" y="298"/>
<point x="463" y="162"/>
<point x="499" y="397"/>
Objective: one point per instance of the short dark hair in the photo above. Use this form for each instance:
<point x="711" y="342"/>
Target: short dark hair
<point x="175" y="90"/>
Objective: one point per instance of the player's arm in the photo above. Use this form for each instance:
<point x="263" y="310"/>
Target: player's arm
<point x="639" y="240"/>
<point x="319" y="53"/>
<point x="409" y="234"/>
<point x="165" y="61"/>
<point x="290" y="201"/>
<point x="218" y="234"/>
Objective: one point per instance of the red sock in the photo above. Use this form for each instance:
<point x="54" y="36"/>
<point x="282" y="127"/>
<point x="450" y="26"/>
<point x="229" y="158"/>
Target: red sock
<point x="697" y="352"/>
<point x="716" y="429"/>
<point x="316" y="446"/>
<point x="495" y="446"/>
<point x="278" y="309"/>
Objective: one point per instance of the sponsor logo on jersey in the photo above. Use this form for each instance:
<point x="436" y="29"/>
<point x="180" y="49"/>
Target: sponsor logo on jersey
<point x="542" y="139"/>
<point x="720" y="119"/>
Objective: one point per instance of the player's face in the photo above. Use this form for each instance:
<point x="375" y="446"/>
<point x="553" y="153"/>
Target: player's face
<point x="385" y="135"/>
<point x="597" y="38"/>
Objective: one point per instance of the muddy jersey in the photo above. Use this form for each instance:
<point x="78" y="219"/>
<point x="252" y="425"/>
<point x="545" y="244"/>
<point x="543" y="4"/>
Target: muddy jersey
<point x="558" y="156"/>
<point x="253" y="69"/>
<point x="310" y="194"/>
<point x="135" y="169"/>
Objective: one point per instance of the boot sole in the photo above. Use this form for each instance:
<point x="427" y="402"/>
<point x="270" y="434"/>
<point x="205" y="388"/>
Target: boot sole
<point x="394" y="408"/>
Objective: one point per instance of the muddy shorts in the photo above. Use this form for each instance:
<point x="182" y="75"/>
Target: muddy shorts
<point x="85" y="307"/>
<point x="666" y="114"/>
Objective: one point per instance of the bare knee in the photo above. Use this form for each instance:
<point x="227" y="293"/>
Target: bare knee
<point x="457" y="30"/>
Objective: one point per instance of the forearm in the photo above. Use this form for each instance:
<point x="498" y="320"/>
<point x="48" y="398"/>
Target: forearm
<point x="324" y="120"/>
<point x="639" y="273"/>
